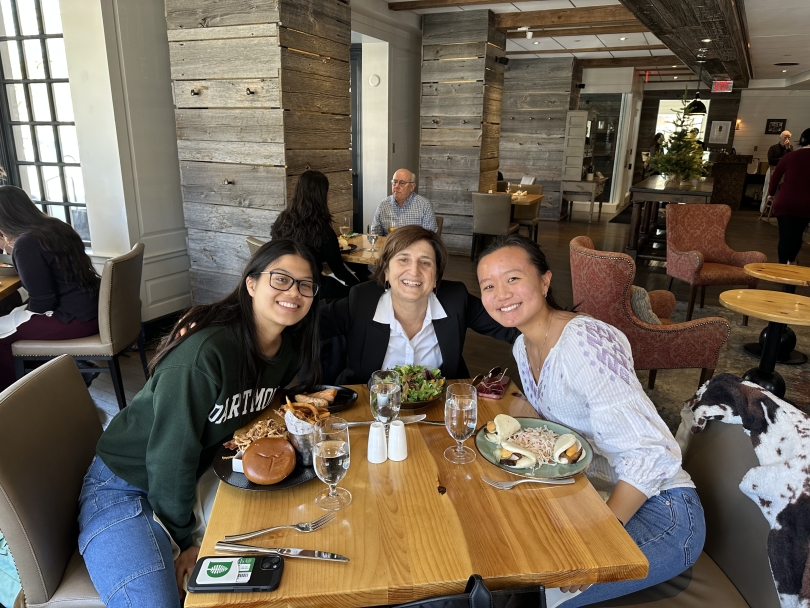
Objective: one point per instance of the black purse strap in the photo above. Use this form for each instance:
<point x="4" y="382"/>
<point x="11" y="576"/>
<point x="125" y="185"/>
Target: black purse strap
<point x="480" y="597"/>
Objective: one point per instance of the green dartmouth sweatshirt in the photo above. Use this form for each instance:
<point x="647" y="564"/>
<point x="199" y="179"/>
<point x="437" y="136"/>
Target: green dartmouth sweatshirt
<point x="165" y="440"/>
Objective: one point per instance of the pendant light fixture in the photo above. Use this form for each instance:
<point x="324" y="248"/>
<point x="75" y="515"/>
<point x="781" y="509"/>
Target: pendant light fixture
<point x="696" y="106"/>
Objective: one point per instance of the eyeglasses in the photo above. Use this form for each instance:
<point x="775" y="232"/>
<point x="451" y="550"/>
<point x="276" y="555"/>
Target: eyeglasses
<point x="284" y="282"/>
<point x="401" y="182"/>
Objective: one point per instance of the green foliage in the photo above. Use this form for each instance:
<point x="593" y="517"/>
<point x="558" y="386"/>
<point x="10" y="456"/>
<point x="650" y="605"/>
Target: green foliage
<point x="682" y="154"/>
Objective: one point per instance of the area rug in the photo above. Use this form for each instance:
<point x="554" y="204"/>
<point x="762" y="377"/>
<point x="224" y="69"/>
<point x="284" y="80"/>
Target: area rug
<point x="673" y="387"/>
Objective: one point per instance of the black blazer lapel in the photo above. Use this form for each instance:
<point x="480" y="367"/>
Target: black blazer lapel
<point x="449" y="343"/>
<point x="376" y="344"/>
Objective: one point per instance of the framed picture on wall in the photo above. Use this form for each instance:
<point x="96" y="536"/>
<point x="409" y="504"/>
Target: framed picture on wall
<point x="774" y="126"/>
<point x="720" y="131"/>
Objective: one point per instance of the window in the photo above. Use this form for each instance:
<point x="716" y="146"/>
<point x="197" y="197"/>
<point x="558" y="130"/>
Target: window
<point x="39" y="148"/>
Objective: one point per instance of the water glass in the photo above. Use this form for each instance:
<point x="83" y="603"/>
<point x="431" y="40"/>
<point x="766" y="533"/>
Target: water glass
<point x="385" y="392"/>
<point x="460" y="420"/>
<point x="372" y="240"/>
<point x="330" y="459"/>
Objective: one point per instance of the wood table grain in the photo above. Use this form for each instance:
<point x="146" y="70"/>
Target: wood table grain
<point x="364" y="257"/>
<point x="776" y="306"/>
<point x="419" y="528"/>
<point x="780" y="273"/>
<point x="8" y="285"/>
<point x="527" y="199"/>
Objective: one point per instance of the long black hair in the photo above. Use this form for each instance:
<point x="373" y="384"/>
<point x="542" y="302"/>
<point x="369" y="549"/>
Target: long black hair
<point x="19" y="215"/>
<point x="534" y="253"/>
<point x="236" y="311"/>
<point x="306" y="218"/>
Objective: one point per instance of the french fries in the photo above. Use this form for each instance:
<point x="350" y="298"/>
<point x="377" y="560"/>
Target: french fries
<point x="304" y="411"/>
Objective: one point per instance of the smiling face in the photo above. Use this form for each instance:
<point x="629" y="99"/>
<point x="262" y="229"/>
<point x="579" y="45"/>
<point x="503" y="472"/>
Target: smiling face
<point x="412" y="272"/>
<point x="273" y="310"/>
<point x="511" y="287"/>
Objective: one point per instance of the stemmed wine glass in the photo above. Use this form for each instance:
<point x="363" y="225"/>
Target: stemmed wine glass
<point x="460" y="419"/>
<point x="344" y="228"/>
<point x="330" y="459"/>
<point x="385" y="392"/>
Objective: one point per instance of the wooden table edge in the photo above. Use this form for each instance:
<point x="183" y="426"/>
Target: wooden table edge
<point x="765" y="316"/>
<point x="751" y="271"/>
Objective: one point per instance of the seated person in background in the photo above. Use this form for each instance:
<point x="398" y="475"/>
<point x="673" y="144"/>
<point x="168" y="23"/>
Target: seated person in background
<point x="53" y="267"/>
<point x="404" y="207"/>
<point x="307" y="220"/>
<point x="407" y="315"/>
<point x="215" y="372"/>
<point x="578" y="371"/>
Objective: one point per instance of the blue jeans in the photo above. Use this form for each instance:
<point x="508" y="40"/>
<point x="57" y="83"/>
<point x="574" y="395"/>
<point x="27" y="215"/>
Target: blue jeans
<point x="127" y="553"/>
<point x="670" y="530"/>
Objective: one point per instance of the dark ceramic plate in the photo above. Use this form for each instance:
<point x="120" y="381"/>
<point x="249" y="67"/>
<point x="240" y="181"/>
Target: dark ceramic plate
<point x="224" y="470"/>
<point x="344" y="398"/>
<point x="352" y="247"/>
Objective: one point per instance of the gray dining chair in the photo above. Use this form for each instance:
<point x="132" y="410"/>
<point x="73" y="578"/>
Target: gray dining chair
<point x="528" y="216"/>
<point x="491" y="217"/>
<point x="440" y="224"/>
<point x="254" y="244"/>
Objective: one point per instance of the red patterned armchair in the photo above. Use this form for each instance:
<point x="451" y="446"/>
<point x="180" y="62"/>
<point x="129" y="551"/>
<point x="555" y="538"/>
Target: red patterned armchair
<point x="697" y="252"/>
<point x="601" y="283"/>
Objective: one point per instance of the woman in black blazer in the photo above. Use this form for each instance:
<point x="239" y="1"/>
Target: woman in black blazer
<point x="407" y="314"/>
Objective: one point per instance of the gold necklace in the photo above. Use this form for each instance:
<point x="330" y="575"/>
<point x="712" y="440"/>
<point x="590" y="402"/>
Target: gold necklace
<point x="543" y="346"/>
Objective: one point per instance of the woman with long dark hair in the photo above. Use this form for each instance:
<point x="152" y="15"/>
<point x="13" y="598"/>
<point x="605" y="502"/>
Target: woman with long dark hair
<point x="220" y="366"/>
<point x="578" y="371"/>
<point x="60" y="279"/>
<point x="307" y="219"/>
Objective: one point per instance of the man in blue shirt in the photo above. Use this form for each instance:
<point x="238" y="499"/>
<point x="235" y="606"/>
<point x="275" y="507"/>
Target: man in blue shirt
<point x="403" y="207"/>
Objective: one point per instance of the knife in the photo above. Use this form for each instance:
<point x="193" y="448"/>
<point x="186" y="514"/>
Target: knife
<point x="302" y="553"/>
<point x="435" y="422"/>
<point x="404" y="419"/>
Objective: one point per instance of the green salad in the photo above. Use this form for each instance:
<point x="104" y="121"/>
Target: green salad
<point x="420" y="383"/>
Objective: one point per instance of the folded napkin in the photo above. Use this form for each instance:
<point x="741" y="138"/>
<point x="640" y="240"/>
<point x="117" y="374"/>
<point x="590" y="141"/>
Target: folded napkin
<point x="351" y="235"/>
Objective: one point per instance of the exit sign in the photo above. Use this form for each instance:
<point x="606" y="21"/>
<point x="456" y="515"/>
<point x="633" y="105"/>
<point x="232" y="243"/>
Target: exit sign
<point x="722" y="86"/>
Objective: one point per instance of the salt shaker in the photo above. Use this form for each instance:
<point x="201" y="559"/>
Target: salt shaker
<point x="397" y="443"/>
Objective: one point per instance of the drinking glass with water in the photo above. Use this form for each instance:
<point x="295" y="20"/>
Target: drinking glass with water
<point x="460" y="420"/>
<point x="385" y="392"/>
<point x="330" y="459"/>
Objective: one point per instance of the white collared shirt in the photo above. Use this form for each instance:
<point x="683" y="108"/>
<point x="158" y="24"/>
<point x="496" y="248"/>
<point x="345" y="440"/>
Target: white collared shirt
<point x="423" y="348"/>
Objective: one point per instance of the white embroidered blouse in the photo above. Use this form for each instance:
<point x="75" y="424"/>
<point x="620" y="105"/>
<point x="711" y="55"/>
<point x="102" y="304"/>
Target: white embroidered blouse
<point x="588" y="384"/>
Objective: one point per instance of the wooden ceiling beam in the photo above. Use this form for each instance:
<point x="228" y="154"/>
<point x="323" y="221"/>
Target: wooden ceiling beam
<point x="629" y="62"/>
<point x="630" y="28"/>
<point x="420" y="4"/>
<point x="603" y="49"/>
<point x="683" y="27"/>
<point x="591" y="15"/>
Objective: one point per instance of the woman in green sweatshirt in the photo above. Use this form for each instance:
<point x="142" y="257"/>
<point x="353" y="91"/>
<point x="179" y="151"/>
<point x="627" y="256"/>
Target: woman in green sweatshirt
<point x="138" y="495"/>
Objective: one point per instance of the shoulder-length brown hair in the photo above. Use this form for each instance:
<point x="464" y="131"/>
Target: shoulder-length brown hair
<point x="404" y="237"/>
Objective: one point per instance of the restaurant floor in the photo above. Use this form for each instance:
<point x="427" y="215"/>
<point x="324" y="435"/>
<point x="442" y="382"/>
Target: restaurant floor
<point x="745" y="232"/>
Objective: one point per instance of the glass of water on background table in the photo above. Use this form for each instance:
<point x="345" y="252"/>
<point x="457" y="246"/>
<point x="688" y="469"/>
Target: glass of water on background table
<point x="460" y="419"/>
<point x="385" y="395"/>
<point x="330" y="459"/>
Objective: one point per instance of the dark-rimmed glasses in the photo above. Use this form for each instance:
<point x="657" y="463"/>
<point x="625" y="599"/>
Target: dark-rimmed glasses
<point x="284" y="282"/>
<point x="401" y="182"/>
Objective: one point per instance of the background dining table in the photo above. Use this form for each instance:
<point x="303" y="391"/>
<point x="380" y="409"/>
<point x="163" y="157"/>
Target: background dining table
<point x="9" y="284"/>
<point x="420" y="527"/>
<point x="363" y="253"/>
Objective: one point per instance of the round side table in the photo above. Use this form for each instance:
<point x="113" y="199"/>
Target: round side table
<point x="779" y="309"/>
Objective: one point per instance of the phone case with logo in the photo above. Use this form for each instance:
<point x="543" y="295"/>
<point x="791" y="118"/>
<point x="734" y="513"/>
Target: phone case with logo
<point x="236" y="573"/>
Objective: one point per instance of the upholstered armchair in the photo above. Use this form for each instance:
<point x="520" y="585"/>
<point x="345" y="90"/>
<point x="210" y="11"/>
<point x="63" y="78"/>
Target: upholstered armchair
<point x="697" y="252"/>
<point x="602" y="281"/>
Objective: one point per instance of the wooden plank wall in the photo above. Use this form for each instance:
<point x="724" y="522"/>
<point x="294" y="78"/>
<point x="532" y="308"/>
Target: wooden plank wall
<point x="537" y="96"/>
<point x="261" y="90"/>
<point x="723" y="106"/>
<point x="462" y="90"/>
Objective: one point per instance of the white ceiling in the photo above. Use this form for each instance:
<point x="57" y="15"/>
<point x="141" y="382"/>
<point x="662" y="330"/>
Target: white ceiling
<point x="518" y="7"/>
<point x="778" y="33"/>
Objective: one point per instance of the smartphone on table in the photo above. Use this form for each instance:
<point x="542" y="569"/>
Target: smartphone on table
<point x="236" y="573"/>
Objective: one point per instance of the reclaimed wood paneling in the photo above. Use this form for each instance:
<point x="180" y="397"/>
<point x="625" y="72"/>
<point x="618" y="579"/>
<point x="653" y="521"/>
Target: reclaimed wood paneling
<point x="451" y="137"/>
<point x="456" y="89"/>
<point x="536" y="97"/>
<point x="225" y="59"/>
<point x="472" y="105"/>
<point x="451" y="122"/>
<point x="451" y="28"/>
<point x="452" y="158"/>
<point x="453" y="69"/>
<point x="262" y="93"/>
<point x="214" y="13"/>
<point x="230" y="125"/>
<point x="454" y="51"/>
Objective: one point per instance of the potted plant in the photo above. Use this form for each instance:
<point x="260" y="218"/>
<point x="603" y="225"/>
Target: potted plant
<point x="681" y="158"/>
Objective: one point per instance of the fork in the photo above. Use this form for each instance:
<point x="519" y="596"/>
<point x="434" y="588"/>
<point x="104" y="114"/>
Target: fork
<point x="508" y="485"/>
<point x="300" y="527"/>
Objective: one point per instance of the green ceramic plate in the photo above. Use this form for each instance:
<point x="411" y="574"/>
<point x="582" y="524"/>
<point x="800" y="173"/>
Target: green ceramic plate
<point x="547" y="471"/>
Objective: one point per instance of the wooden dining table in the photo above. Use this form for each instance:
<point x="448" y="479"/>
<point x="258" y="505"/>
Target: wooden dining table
<point x="420" y="527"/>
<point x="363" y="253"/>
<point x="9" y="284"/>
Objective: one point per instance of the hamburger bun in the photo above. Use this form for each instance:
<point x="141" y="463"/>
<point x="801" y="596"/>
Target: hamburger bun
<point x="269" y="460"/>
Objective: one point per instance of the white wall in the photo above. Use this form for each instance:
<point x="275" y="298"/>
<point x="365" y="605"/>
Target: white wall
<point x="389" y="145"/>
<point x="757" y="106"/>
<point x="118" y="64"/>
<point x="608" y="80"/>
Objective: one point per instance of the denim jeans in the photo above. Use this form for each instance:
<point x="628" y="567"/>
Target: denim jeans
<point x="670" y="530"/>
<point x="128" y="554"/>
